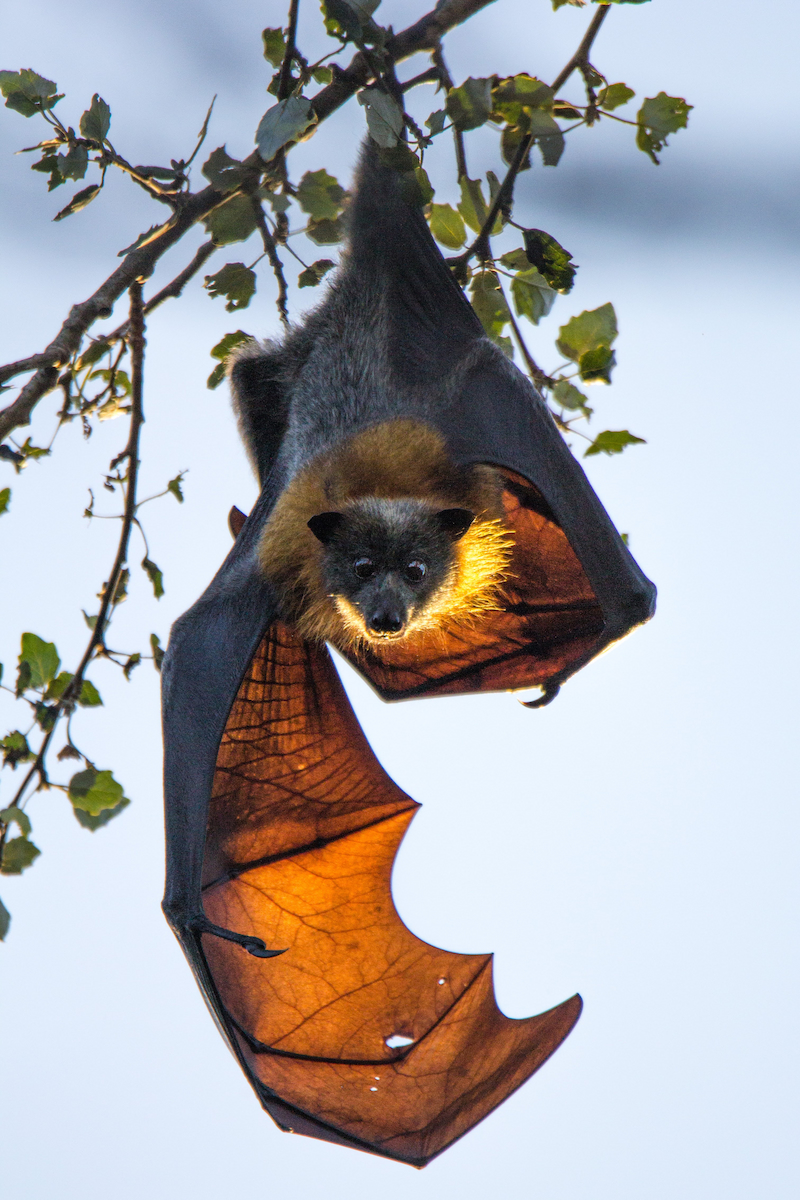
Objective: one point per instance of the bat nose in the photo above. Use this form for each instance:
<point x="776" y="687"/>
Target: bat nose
<point x="387" y="621"/>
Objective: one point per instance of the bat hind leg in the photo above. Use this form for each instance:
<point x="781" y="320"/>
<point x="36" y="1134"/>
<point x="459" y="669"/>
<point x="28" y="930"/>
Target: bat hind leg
<point x="253" y="945"/>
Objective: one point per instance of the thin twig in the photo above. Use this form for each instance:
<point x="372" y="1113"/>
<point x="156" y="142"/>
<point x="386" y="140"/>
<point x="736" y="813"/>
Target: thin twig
<point x="272" y="254"/>
<point x="458" y="136"/>
<point x="171" y="291"/>
<point x="480" y="246"/>
<point x="131" y="453"/>
<point x="425" y="34"/>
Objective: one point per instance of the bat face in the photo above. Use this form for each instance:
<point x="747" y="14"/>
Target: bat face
<point x="386" y="561"/>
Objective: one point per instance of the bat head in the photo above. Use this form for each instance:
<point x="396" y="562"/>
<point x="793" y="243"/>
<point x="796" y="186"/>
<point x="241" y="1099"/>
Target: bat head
<point x="386" y="561"/>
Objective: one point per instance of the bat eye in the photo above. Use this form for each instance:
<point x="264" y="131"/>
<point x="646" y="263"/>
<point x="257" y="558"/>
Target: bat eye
<point x="364" y="568"/>
<point x="415" y="571"/>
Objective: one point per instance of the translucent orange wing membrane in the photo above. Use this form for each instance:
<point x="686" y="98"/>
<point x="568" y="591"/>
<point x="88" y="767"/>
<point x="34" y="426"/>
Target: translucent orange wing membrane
<point x="360" y="1032"/>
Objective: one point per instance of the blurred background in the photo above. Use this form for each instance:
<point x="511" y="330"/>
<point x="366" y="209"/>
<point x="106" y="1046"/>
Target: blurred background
<point x="637" y="840"/>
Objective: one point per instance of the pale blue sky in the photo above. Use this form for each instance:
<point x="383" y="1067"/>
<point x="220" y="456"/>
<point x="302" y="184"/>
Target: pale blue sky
<point x="637" y="840"/>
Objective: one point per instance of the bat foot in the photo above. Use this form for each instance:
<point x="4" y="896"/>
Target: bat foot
<point x="253" y="945"/>
<point x="549" y="692"/>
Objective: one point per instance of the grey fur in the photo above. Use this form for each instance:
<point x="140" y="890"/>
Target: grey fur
<point x="348" y="365"/>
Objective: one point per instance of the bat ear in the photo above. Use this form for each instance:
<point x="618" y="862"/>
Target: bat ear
<point x="324" y="525"/>
<point x="455" y="521"/>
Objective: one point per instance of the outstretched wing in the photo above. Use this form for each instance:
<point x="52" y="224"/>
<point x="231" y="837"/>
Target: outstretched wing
<point x="360" y="1032"/>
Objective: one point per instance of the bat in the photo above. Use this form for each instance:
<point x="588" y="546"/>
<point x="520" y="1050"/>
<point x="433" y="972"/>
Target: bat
<point x="281" y="825"/>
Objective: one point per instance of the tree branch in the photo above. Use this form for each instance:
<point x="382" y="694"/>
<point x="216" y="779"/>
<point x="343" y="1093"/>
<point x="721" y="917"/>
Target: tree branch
<point x="272" y="254"/>
<point x="425" y="34"/>
<point x="285" y="80"/>
<point x="580" y="58"/>
<point x="131" y="453"/>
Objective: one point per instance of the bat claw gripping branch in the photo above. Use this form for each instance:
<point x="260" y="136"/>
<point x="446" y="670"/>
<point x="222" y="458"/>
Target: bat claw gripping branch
<point x="253" y="945"/>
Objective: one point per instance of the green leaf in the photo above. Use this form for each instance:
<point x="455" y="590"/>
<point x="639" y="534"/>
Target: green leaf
<point x="436" y="120"/>
<point x="547" y="135"/>
<point x="613" y="441"/>
<point x="236" y="282"/>
<point x="95" y="821"/>
<point x="587" y="339"/>
<point x="352" y="19"/>
<point x="320" y="195"/>
<point x="533" y="296"/>
<point x="45" y="715"/>
<point x="447" y="226"/>
<point x="223" y="349"/>
<point x="614" y="96"/>
<point x="470" y="105"/>
<point x="570" y="397"/>
<point x="41" y="658"/>
<point x="18" y="854"/>
<point x="322" y="75"/>
<point x="596" y="365"/>
<point x="384" y="116"/>
<point x="5" y="499"/>
<point x="174" y="486"/>
<point x="28" y="93"/>
<point x="16" y="749"/>
<point x="131" y="664"/>
<point x="155" y="576"/>
<point x="121" y="590"/>
<point x="416" y="187"/>
<point x="96" y="120"/>
<point x="325" y="233"/>
<point x="314" y="274"/>
<point x="510" y="140"/>
<point x="90" y="621"/>
<point x="78" y="201"/>
<point x="94" y="791"/>
<point x="233" y="221"/>
<point x="658" y="117"/>
<point x="5" y="921"/>
<point x="514" y="97"/>
<point x="515" y="260"/>
<point x="89" y="696"/>
<point x="473" y="205"/>
<point x="59" y="685"/>
<point x="73" y="164"/>
<point x="274" y="46"/>
<point x="550" y="257"/>
<point x="489" y="303"/>
<point x="224" y="173"/>
<point x="288" y="121"/>
<point x="158" y="653"/>
<point x="21" y="819"/>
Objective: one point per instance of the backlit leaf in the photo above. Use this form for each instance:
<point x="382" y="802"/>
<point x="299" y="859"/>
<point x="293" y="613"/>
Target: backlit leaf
<point x="5" y="921"/>
<point x="5" y="499"/>
<point x="320" y="195"/>
<point x="233" y="221"/>
<point x="436" y="120"/>
<point x="274" y="46"/>
<point x="93" y="791"/>
<point x="41" y="658"/>
<point x="174" y="486"/>
<point x="470" y="105"/>
<point x="549" y="257"/>
<point x="224" y="173"/>
<point x="78" y="201"/>
<point x="158" y="653"/>
<point x="489" y="303"/>
<point x="20" y="819"/>
<point x="325" y="232"/>
<point x="384" y="116"/>
<point x="568" y="396"/>
<point x="236" y="282"/>
<point x="155" y="575"/>
<point x="94" y="821"/>
<point x="288" y="121"/>
<point x="613" y="441"/>
<point x="223" y="349"/>
<point x="18" y="854"/>
<point x="314" y="274"/>
<point x="447" y="226"/>
<point x="658" y="117"/>
<point x="15" y="749"/>
<point x="89" y="696"/>
<point x="28" y="93"/>
<point x="614" y="96"/>
<point x="533" y="296"/>
<point x="96" y="120"/>
<point x="588" y="331"/>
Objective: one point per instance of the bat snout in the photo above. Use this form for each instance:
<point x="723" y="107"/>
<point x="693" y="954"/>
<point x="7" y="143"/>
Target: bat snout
<point x="387" y="620"/>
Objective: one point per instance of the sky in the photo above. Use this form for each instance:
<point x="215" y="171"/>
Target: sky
<point x="637" y="840"/>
